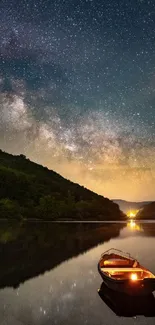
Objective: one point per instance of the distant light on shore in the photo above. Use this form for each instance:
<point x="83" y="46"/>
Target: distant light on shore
<point x="132" y="213"/>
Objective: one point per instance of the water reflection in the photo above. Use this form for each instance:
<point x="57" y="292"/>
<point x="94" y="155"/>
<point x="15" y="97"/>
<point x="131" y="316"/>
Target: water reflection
<point x="28" y="250"/>
<point x="134" y="226"/>
<point x="55" y="270"/>
<point x="127" y="306"/>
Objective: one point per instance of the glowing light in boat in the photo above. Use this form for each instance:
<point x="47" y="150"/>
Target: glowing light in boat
<point x="134" y="277"/>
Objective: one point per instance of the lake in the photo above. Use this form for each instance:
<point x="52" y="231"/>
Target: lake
<point x="49" y="273"/>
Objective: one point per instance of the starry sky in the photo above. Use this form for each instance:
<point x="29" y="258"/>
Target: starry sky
<point x="77" y="90"/>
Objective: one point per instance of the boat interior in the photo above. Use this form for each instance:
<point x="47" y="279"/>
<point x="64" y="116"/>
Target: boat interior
<point x="121" y="267"/>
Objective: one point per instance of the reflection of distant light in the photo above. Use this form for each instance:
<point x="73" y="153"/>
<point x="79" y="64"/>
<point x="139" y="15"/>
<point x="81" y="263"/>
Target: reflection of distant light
<point x="133" y="226"/>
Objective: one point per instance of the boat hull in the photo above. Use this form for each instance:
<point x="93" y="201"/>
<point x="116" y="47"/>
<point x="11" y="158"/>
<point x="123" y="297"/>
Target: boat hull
<point x="138" y="288"/>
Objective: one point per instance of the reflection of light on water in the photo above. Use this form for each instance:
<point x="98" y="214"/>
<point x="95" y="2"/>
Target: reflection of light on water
<point x="133" y="226"/>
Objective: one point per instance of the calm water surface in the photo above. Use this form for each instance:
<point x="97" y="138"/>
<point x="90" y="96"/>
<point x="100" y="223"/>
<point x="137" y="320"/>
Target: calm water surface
<point x="49" y="273"/>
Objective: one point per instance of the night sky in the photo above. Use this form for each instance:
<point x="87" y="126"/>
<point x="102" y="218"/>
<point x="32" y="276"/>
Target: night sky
<point x="77" y="90"/>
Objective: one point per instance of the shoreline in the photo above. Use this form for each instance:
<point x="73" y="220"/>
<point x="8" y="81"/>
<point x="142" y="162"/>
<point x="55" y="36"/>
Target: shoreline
<point x="79" y="221"/>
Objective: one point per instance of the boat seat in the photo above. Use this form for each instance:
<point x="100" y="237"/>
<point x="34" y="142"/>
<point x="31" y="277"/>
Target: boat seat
<point x="121" y="269"/>
<point x="119" y="262"/>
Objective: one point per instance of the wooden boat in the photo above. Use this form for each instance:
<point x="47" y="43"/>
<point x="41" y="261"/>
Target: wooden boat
<point x="123" y="273"/>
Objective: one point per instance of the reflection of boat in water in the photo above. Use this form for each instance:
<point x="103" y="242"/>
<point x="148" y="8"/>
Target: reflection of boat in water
<point x="121" y="272"/>
<point x="126" y="305"/>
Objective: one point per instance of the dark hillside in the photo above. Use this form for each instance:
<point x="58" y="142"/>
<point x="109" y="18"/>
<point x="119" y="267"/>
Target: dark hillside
<point x="147" y="212"/>
<point x="29" y="190"/>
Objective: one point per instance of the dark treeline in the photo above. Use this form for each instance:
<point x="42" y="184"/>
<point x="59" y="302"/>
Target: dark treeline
<point x="29" y="190"/>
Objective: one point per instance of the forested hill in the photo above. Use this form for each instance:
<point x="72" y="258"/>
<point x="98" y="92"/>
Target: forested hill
<point x="147" y="212"/>
<point x="29" y="190"/>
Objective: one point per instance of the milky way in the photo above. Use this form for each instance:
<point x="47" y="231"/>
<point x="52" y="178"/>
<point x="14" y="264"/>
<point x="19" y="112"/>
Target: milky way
<point x="77" y="91"/>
